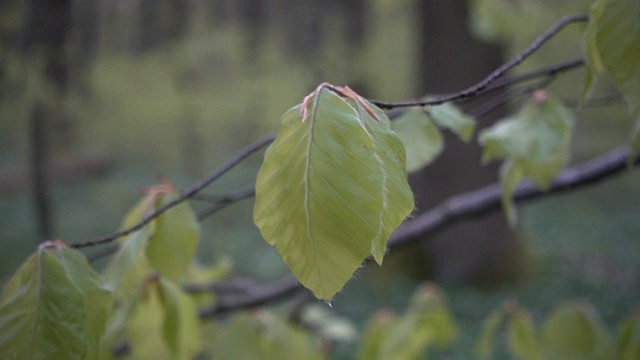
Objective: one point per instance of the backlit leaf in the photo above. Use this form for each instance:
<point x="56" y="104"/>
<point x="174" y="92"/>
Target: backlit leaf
<point x="449" y="116"/>
<point x="144" y="325"/>
<point x="332" y="189"/>
<point x="54" y="307"/>
<point x="129" y="266"/>
<point x="421" y="138"/>
<point x="534" y="143"/>
<point x="574" y="331"/>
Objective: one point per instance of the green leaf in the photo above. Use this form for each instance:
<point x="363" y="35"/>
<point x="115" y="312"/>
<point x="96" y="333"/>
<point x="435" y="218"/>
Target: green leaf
<point x="54" y="307"/>
<point x="175" y="240"/>
<point x="129" y="266"/>
<point x="484" y="347"/>
<point x="615" y="29"/>
<point x="262" y="336"/>
<point x="521" y="332"/>
<point x="575" y="331"/>
<point x="376" y="335"/>
<point x="534" y="143"/>
<point x="421" y="138"/>
<point x="144" y="325"/>
<point x="628" y="340"/>
<point x="427" y="322"/>
<point x="332" y="189"/>
<point x="181" y="326"/>
<point x="450" y="117"/>
<point x="594" y="63"/>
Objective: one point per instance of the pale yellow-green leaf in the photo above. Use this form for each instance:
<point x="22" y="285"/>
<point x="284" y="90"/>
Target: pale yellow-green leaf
<point x="521" y="334"/>
<point x="175" y="240"/>
<point x="575" y="331"/>
<point x="54" y="307"/>
<point x="144" y="326"/>
<point x="484" y="347"/>
<point x="181" y="325"/>
<point x="534" y="143"/>
<point x="331" y="190"/>
<point x="421" y="138"/>
<point x="449" y="116"/>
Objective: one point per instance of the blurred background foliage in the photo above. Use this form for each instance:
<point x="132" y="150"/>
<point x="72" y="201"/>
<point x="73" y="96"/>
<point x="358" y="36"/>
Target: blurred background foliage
<point x="130" y="90"/>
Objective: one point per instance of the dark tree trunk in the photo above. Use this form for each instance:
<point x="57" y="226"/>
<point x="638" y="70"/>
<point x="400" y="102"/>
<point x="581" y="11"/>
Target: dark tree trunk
<point x="482" y="250"/>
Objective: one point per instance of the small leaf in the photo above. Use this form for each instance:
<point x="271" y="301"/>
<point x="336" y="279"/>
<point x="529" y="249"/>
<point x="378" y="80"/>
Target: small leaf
<point x="534" y="143"/>
<point x="181" y="326"/>
<point x="129" y="266"/>
<point x="575" y="331"/>
<point x="484" y="347"/>
<point x="331" y="189"/>
<point x="262" y="336"/>
<point x="449" y="116"/>
<point x="421" y="138"/>
<point x="615" y="27"/>
<point x="175" y="240"/>
<point x="521" y="332"/>
<point x="427" y="322"/>
<point x="53" y="307"/>
<point x="144" y="325"/>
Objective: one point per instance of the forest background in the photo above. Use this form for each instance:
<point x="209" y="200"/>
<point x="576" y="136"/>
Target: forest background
<point x="174" y="88"/>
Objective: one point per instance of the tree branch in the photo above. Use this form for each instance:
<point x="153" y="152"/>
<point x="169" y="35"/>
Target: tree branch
<point x="451" y="211"/>
<point x="499" y="72"/>
<point x="190" y="192"/>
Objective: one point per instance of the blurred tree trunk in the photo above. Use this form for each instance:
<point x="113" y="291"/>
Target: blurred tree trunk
<point x="48" y="27"/>
<point x="480" y="250"/>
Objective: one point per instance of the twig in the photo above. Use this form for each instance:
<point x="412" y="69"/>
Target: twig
<point x="451" y="211"/>
<point x="193" y="190"/>
<point x="260" y="295"/>
<point x="501" y="71"/>
<point x="226" y="200"/>
<point x="487" y="198"/>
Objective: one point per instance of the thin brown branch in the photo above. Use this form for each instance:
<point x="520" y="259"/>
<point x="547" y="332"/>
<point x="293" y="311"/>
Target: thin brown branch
<point x="185" y="195"/>
<point x="455" y="209"/>
<point x="222" y="202"/>
<point x="495" y="75"/>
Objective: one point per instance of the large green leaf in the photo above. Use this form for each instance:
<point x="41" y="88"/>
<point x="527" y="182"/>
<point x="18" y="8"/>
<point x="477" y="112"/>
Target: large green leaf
<point x="534" y="143"/>
<point x="421" y="138"/>
<point x="575" y="331"/>
<point x="615" y="29"/>
<point x="332" y="189"/>
<point x="54" y="307"/>
<point x="129" y="266"/>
